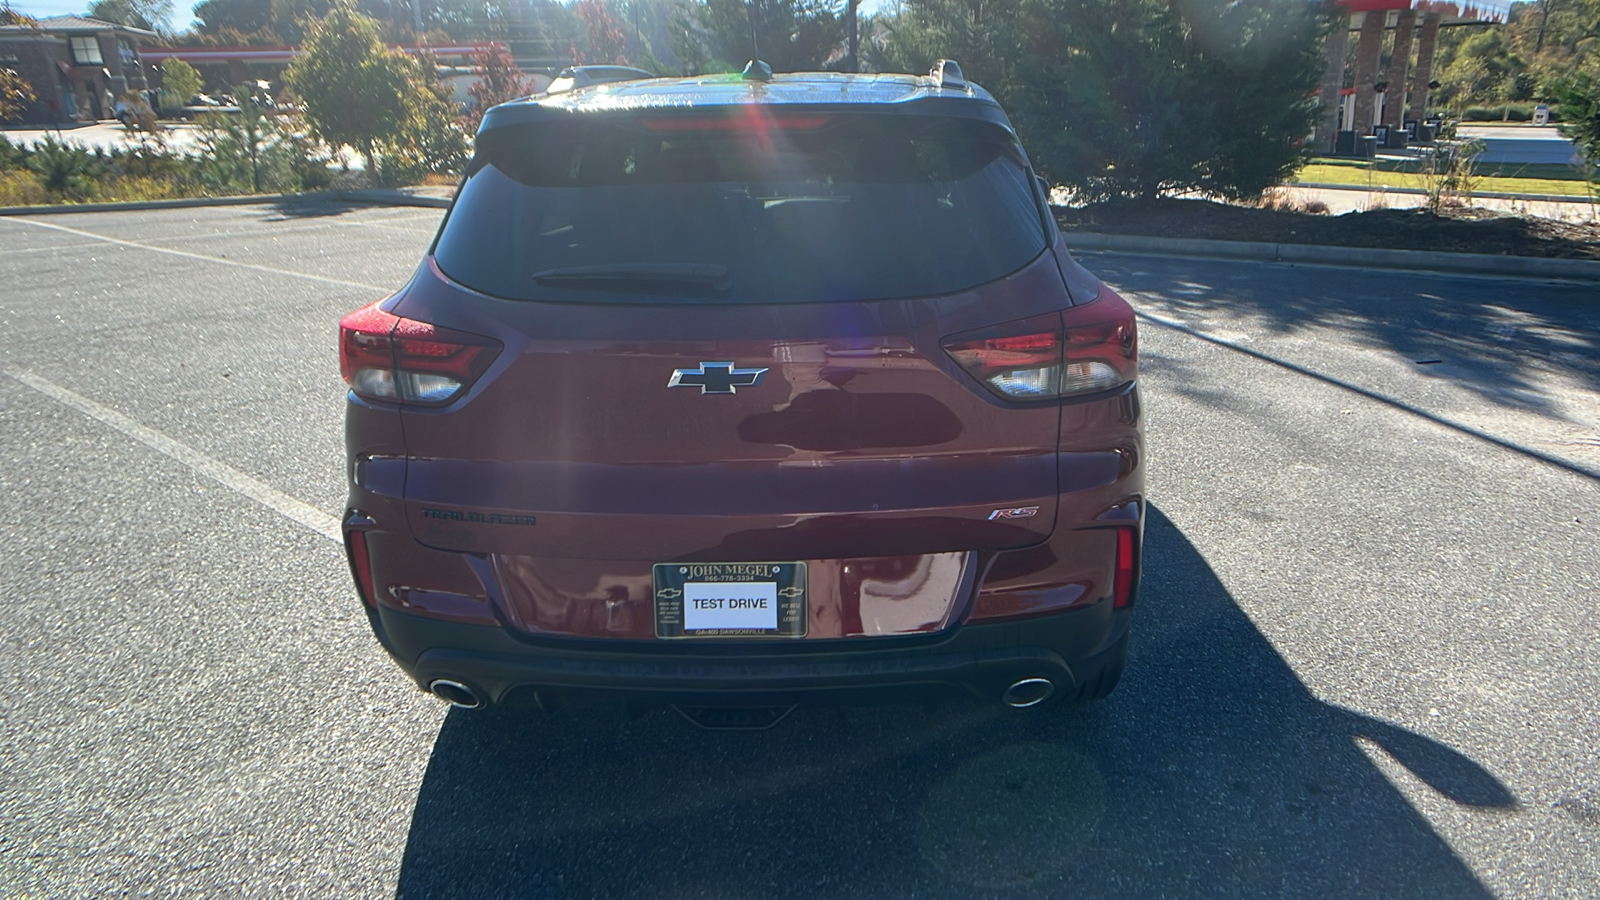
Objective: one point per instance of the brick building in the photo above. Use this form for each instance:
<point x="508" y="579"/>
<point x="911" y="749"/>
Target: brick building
<point x="77" y="66"/>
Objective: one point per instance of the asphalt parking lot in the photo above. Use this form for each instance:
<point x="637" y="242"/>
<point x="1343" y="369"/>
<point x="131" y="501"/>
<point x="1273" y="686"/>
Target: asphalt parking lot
<point x="1364" y="665"/>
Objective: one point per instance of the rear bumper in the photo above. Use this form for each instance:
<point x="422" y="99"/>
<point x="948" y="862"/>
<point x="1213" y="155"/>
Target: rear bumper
<point x="980" y="661"/>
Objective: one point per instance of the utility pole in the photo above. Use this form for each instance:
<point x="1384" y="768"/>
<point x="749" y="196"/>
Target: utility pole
<point x="633" y="7"/>
<point x="755" y="51"/>
<point x="852" y="28"/>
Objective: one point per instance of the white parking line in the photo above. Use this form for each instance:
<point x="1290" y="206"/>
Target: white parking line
<point x="201" y="256"/>
<point x="14" y="250"/>
<point x="229" y="477"/>
<point x="300" y="226"/>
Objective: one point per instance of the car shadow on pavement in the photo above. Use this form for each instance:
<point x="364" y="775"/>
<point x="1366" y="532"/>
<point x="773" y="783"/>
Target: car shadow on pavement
<point x="1212" y="772"/>
<point x="311" y="206"/>
<point x="1502" y="340"/>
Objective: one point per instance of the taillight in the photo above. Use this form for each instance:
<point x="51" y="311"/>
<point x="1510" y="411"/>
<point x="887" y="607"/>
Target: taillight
<point x="750" y="120"/>
<point x="1122" y="577"/>
<point x="386" y="357"/>
<point x="1081" y="350"/>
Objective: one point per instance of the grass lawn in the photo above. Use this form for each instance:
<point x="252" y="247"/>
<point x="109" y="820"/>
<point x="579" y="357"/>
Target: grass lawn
<point x="1507" y="178"/>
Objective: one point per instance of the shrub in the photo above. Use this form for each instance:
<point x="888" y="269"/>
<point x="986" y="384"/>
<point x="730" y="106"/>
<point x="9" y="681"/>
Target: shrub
<point x="67" y="170"/>
<point x="1509" y="112"/>
<point x="245" y="151"/>
<point x="179" y="79"/>
<point x="20" y="187"/>
<point x="140" y="187"/>
<point x="12" y="156"/>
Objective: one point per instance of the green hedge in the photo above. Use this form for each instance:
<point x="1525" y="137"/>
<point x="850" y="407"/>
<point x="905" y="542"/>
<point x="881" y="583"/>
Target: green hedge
<point x="1515" y="112"/>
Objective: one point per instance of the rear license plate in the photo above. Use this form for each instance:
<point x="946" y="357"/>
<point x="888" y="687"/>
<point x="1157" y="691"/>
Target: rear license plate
<point x="730" y="599"/>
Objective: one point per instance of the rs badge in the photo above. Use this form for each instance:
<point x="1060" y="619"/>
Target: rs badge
<point x="1019" y="512"/>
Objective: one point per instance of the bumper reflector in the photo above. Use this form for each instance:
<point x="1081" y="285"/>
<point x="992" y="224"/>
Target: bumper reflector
<point x="1122" y="583"/>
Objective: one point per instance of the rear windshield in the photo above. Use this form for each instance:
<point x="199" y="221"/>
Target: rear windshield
<point x="761" y="210"/>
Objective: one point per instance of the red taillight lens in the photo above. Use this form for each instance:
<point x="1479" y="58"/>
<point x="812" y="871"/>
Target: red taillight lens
<point x="1122" y="580"/>
<point x="750" y="121"/>
<point x="1081" y="350"/>
<point x="1018" y="360"/>
<point x="360" y="565"/>
<point x="385" y="357"/>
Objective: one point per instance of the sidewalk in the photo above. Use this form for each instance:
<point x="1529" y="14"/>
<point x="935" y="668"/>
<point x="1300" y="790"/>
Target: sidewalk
<point x="1347" y="199"/>
<point x="106" y="135"/>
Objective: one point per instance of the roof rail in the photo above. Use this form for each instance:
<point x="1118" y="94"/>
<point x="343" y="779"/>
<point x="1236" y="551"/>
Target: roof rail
<point x="948" y="73"/>
<point x="573" y="77"/>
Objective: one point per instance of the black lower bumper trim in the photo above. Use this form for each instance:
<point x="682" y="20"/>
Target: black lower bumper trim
<point x="976" y="660"/>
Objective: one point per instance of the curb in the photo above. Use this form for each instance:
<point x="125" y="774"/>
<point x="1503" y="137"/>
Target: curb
<point x="1318" y="254"/>
<point x="384" y="197"/>
<point x="1579" y="199"/>
<point x="393" y="197"/>
<point x="130" y="205"/>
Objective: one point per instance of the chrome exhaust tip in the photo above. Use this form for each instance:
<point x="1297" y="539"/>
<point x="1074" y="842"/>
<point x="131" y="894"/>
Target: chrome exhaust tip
<point x="455" y="693"/>
<point x="1028" y="692"/>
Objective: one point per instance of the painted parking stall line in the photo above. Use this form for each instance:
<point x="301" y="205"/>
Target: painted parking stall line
<point x="204" y="257"/>
<point x="225" y="475"/>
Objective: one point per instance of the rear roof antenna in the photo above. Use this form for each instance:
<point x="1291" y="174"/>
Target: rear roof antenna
<point x="756" y="70"/>
<point x="948" y="73"/>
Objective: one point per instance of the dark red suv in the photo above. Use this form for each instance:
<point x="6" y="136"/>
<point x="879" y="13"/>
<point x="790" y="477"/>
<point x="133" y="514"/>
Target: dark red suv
<point x="737" y="392"/>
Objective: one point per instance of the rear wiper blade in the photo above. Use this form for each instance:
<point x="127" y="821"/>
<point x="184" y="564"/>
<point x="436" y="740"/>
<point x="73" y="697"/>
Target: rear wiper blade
<point x="697" y="274"/>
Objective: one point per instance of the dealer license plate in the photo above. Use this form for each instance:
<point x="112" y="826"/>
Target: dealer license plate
<point x="763" y="599"/>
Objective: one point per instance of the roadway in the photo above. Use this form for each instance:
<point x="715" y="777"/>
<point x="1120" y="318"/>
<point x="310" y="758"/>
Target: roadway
<point x="1364" y="661"/>
<point x="1521" y="144"/>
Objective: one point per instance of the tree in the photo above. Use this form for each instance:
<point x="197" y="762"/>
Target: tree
<point x="499" y="81"/>
<point x="1578" y="102"/>
<point x="245" y="151"/>
<point x="1482" y="69"/>
<point x="16" y="95"/>
<point x="468" y="20"/>
<point x="151" y="15"/>
<point x="1137" y="98"/>
<point x="179" y="79"/>
<point x="605" y="43"/>
<point x="429" y="140"/>
<point x="243" y="16"/>
<point x="355" y="90"/>
<point x="789" y="35"/>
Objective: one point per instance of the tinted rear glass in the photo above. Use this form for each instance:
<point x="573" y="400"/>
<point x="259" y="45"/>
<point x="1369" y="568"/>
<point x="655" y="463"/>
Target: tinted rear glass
<point x="797" y="210"/>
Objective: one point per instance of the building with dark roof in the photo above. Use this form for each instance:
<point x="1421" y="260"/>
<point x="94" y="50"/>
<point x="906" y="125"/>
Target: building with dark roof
<point x="78" y="66"/>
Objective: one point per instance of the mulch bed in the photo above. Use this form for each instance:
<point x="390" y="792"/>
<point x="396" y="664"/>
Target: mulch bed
<point x="1458" y="230"/>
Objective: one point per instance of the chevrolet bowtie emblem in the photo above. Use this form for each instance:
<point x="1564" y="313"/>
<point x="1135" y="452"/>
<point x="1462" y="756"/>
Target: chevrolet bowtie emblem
<point x="716" y="378"/>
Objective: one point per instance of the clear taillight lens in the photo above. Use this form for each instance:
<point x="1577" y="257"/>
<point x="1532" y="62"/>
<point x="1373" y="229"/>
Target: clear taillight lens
<point x="1081" y="350"/>
<point x="386" y="357"/>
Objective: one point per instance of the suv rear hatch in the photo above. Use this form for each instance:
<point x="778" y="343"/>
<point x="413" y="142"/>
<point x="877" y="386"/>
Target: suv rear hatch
<point x="724" y="339"/>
